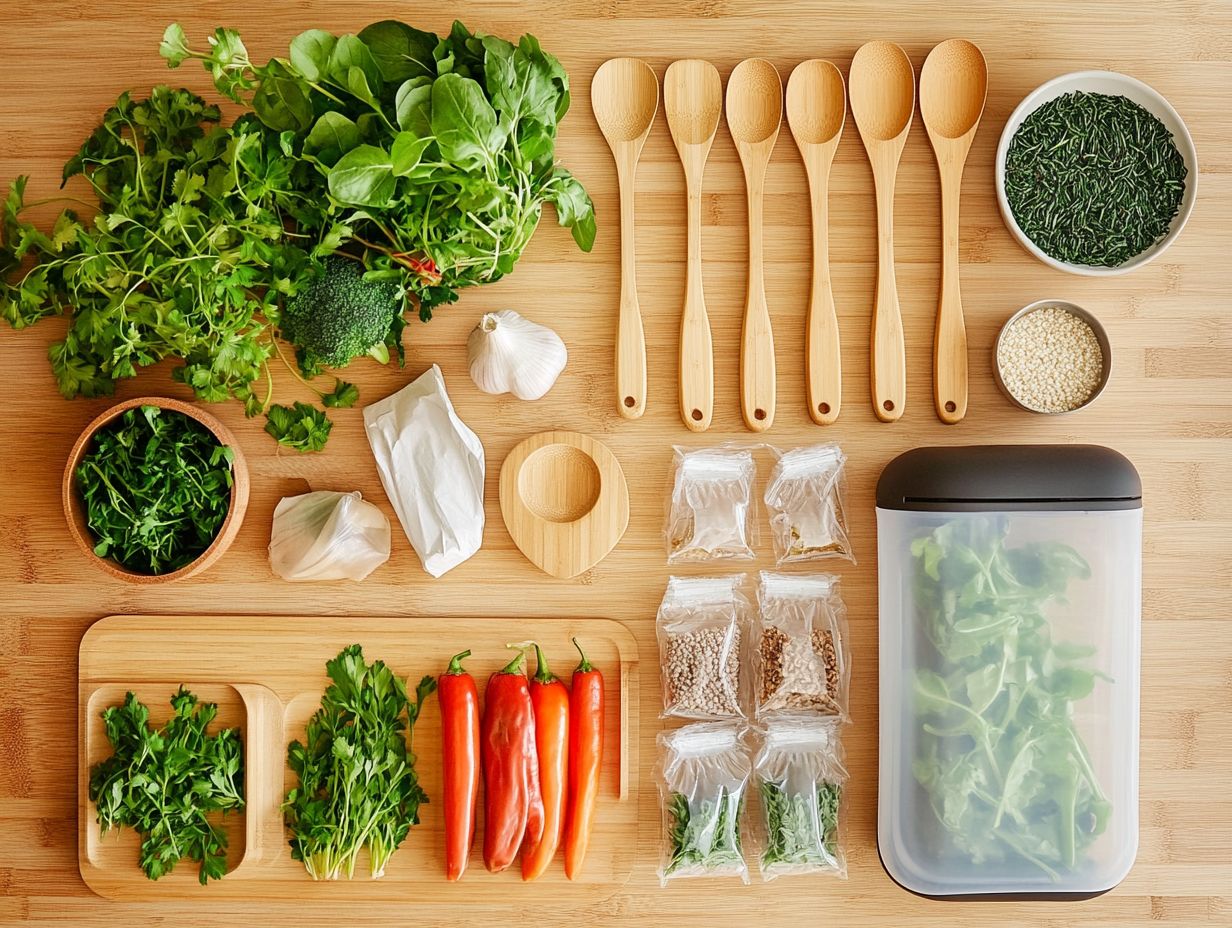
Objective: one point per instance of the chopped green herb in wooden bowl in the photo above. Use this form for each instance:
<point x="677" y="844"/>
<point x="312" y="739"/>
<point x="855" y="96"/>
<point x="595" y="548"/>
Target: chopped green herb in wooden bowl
<point x="155" y="490"/>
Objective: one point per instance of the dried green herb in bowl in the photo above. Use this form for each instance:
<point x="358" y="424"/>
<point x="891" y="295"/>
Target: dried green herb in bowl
<point x="154" y="488"/>
<point x="1093" y="179"/>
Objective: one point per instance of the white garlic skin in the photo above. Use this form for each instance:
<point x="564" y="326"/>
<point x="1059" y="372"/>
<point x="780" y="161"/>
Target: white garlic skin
<point x="511" y="354"/>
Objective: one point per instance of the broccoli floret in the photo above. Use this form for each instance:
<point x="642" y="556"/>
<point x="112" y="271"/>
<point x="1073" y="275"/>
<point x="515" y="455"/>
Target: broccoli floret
<point x="339" y="316"/>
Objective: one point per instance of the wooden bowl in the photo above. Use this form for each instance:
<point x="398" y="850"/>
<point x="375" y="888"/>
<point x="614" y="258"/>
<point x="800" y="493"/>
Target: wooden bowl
<point x="74" y="508"/>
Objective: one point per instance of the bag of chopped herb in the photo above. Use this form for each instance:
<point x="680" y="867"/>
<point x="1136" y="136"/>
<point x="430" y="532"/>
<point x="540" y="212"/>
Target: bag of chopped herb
<point x="703" y="774"/>
<point x="709" y="513"/>
<point x="800" y="665"/>
<point x="805" y="500"/>
<point x="800" y="778"/>
<point x="699" y="628"/>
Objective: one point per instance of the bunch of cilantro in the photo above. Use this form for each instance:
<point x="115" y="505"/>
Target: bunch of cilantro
<point x="168" y="783"/>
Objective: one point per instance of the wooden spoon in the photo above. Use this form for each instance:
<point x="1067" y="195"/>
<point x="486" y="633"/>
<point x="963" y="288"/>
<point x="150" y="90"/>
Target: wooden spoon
<point x="754" y="112"/>
<point x="816" y="111"/>
<point x="625" y="97"/>
<point x="953" y="87"/>
<point x="693" y="101"/>
<point x="882" y="102"/>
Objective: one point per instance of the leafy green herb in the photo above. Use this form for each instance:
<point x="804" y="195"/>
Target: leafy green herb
<point x="1007" y="774"/>
<point x="300" y="426"/>
<point x="357" y="783"/>
<point x="345" y="395"/>
<point x="801" y="830"/>
<point x="435" y="153"/>
<point x="156" y="487"/>
<point x="1093" y="179"/>
<point x="705" y="834"/>
<point x="166" y="784"/>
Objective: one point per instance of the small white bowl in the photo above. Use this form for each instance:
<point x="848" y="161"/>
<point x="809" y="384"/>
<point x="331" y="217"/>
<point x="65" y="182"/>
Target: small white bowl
<point x="1113" y="84"/>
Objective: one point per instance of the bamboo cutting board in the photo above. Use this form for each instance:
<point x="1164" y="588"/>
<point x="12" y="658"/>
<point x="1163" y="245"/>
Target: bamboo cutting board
<point x="267" y="675"/>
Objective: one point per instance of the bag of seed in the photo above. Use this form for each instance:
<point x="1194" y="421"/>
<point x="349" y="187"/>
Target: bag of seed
<point x="699" y="632"/>
<point x="703" y="772"/>
<point x="800" y="666"/>
<point x="800" y="777"/>
<point x="805" y="499"/>
<point x="709" y="512"/>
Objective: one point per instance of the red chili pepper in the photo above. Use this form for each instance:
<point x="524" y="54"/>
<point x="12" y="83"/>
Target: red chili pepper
<point x="585" y="760"/>
<point x="510" y="767"/>
<point x="550" y="698"/>
<point x="460" y="738"/>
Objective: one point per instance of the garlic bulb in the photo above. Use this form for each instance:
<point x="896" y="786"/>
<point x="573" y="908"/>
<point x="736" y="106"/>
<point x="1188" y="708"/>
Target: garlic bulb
<point x="510" y="354"/>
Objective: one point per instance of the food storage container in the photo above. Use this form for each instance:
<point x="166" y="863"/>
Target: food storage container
<point x="1010" y="600"/>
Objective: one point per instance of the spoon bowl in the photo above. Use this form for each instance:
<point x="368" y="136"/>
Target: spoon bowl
<point x="625" y="97"/>
<point x="692" y="101"/>
<point x="882" y="91"/>
<point x="754" y="102"/>
<point x="953" y="88"/>
<point x="816" y="102"/>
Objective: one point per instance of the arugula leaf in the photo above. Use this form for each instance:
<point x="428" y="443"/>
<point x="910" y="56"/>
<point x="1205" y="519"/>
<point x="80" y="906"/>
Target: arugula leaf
<point x="704" y="835"/>
<point x="167" y="784"/>
<point x="801" y="829"/>
<point x="1006" y="772"/>
<point x="301" y="426"/>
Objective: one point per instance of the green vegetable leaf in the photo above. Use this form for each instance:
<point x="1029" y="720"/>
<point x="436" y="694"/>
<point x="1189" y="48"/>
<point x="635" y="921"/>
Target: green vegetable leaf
<point x="332" y="136"/>
<point x="407" y="153"/>
<point x="311" y="52"/>
<point x="464" y="122"/>
<point x="302" y="427"/>
<point x="174" y="46"/>
<point x="413" y="106"/>
<point x="400" y="51"/>
<point x="363" y="177"/>
<point x="344" y="396"/>
<point x="280" y="101"/>
<point x="352" y="66"/>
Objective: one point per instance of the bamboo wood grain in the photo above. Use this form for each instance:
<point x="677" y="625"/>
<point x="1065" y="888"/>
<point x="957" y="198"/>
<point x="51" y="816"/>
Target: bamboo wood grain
<point x="625" y="97"/>
<point x="754" y="112"/>
<point x="882" y="102"/>
<point x="816" y="111"/>
<point x="693" y="101"/>
<point x="1169" y="324"/>
<point x="564" y="500"/>
<point x="953" y="89"/>
<point x="267" y="675"/>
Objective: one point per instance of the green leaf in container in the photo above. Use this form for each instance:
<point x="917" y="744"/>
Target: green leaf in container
<point x="310" y="53"/>
<point x="332" y="136"/>
<point x="400" y="51"/>
<point x="363" y="177"/>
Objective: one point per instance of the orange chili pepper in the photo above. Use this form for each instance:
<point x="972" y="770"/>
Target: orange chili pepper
<point x="550" y="698"/>
<point x="585" y="760"/>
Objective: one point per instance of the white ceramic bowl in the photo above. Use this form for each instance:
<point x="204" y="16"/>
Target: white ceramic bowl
<point x="1106" y="82"/>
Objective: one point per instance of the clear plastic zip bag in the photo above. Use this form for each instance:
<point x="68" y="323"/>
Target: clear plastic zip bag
<point x="800" y="780"/>
<point x="805" y="498"/>
<point x="800" y="663"/>
<point x="710" y="512"/>
<point x="326" y="535"/>
<point x="703" y="775"/>
<point x="700" y="631"/>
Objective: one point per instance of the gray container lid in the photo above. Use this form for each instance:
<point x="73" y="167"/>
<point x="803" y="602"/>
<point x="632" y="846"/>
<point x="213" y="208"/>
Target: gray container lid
<point x="1043" y="478"/>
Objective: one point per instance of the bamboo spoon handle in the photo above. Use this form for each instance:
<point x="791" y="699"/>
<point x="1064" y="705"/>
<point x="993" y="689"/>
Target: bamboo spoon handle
<point x="950" y="336"/>
<point x="757" y="374"/>
<point x="696" y="348"/>
<point x="823" y="367"/>
<point x="889" y="361"/>
<point x="630" y="338"/>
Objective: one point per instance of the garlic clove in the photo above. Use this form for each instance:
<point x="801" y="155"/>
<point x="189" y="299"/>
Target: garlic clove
<point x="510" y="354"/>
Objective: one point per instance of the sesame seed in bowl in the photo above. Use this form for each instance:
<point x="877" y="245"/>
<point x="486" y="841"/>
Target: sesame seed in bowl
<point x="1052" y="357"/>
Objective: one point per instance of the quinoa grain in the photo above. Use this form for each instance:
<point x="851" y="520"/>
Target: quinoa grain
<point x="1050" y="360"/>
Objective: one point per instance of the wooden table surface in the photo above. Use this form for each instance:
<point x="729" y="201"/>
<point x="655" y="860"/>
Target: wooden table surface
<point x="1168" y="407"/>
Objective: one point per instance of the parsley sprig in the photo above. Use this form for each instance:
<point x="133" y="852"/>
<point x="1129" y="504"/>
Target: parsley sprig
<point x="168" y="783"/>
